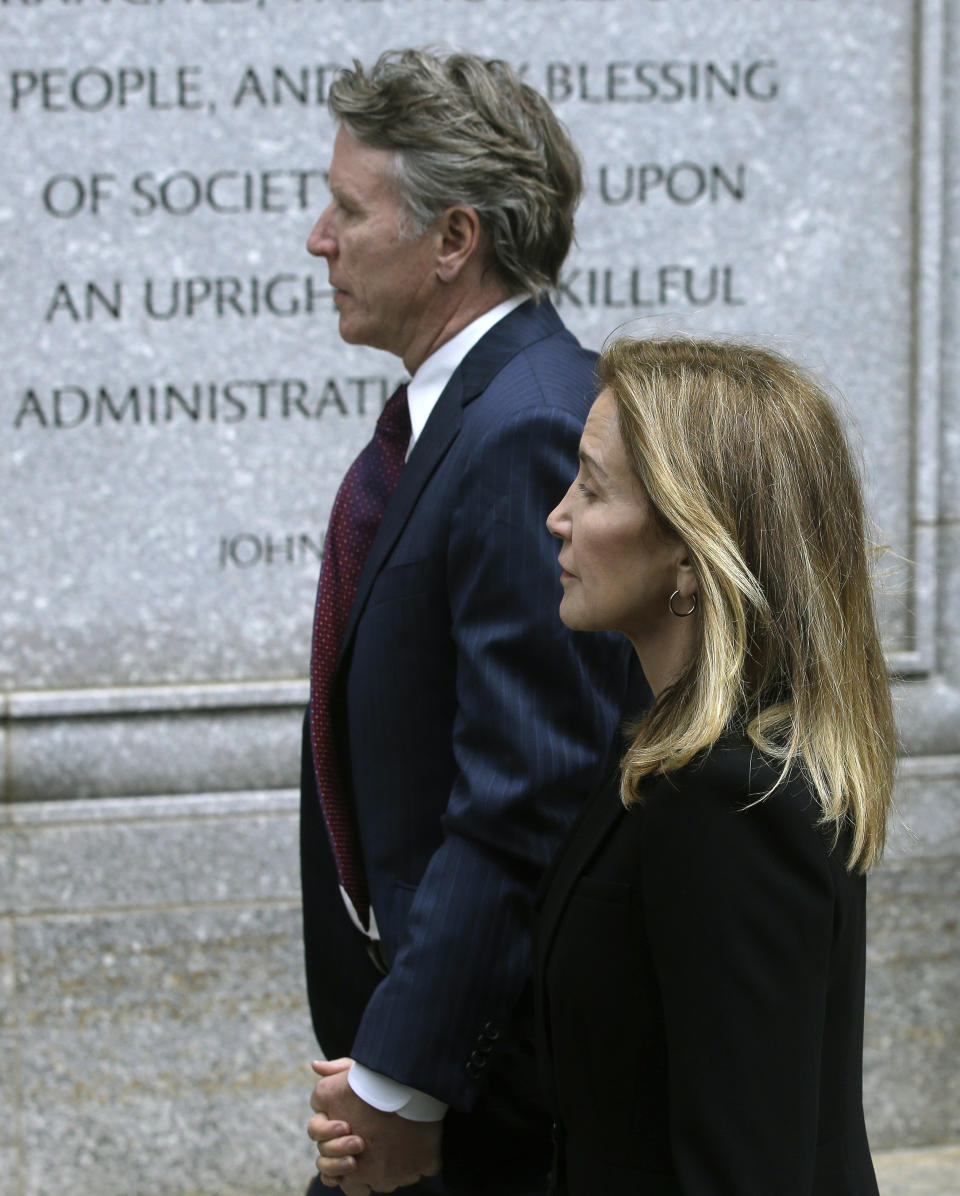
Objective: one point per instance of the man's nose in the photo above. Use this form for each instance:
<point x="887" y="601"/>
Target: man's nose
<point x="321" y="242"/>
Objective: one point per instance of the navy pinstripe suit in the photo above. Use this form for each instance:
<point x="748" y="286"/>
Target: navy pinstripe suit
<point x="471" y="726"/>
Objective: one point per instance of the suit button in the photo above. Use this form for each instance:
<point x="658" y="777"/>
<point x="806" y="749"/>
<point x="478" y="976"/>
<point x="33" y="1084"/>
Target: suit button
<point x="478" y="1060"/>
<point x="490" y="1031"/>
<point x="472" y="1070"/>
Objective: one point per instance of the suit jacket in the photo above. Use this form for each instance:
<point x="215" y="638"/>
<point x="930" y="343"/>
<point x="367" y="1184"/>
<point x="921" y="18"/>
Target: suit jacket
<point x="700" y="980"/>
<point x="471" y="725"/>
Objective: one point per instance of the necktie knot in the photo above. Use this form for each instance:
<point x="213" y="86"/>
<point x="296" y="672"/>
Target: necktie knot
<point x="394" y="419"/>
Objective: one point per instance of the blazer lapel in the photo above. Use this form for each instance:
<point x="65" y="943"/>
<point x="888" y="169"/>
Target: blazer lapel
<point x="438" y="434"/>
<point x="598" y="821"/>
<point x="522" y="327"/>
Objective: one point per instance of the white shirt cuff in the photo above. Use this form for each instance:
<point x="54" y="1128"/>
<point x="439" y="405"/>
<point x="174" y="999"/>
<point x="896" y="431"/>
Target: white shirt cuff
<point x="390" y="1096"/>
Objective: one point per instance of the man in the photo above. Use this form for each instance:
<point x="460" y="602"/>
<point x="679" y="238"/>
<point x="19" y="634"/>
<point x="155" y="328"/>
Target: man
<point x="455" y="725"/>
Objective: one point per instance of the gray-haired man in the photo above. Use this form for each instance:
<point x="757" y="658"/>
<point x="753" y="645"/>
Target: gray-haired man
<point x="461" y="723"/>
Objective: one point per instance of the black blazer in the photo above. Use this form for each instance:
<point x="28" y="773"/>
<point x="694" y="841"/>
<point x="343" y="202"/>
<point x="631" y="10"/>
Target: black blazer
<point x="700" y="986"/>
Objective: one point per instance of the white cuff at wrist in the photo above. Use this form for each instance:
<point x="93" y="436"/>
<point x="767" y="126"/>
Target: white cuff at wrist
<point x="390" y="1096"/>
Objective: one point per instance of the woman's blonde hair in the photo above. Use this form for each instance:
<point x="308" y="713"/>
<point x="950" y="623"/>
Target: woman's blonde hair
<point x="745" y="458"/>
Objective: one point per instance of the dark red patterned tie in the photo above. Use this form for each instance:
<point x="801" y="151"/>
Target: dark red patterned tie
<point x="356" y="515"/>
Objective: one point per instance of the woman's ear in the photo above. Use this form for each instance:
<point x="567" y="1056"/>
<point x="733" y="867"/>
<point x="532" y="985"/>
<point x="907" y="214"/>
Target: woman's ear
<point x="459" y="233"/>
<point x="686" y="583"/>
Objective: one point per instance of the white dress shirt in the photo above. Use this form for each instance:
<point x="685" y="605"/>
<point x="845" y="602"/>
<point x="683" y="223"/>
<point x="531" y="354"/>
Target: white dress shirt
<point x="423" y="391"/>
<point x="427" y="384"/>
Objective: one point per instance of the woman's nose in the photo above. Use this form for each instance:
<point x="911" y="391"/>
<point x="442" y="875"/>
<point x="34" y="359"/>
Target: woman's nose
<point x="557" y="520"/>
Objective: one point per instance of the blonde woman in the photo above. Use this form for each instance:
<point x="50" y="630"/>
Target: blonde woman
<point x="701" y="953"/>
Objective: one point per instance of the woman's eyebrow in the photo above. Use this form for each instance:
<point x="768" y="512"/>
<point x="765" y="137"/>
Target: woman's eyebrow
<point x="592" y="463"/>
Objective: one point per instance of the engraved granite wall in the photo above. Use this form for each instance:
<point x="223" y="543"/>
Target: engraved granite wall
<point x="177" y="411"/>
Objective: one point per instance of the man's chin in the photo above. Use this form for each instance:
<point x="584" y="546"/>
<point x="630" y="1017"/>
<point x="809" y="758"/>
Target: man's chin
<point x="348" y="332"/>
<point x="354" y="331"/>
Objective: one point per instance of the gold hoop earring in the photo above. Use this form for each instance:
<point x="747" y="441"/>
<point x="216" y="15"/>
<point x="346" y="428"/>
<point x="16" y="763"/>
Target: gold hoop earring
<point x="682" y="614"/>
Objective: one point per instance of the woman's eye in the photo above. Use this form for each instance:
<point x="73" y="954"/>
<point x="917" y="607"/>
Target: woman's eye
<point x="585" y="490"/>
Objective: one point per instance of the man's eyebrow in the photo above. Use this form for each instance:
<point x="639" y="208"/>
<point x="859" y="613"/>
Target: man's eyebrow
<point x="592" y="463"/>
<point x="342" y="194"/>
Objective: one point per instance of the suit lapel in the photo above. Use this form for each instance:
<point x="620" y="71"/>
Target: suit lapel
<point x="438" y="434"/>
<point x="522" y="327"/>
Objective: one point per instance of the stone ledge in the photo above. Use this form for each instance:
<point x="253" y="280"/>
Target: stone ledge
<point x="71" y="858"/>
<point x="152" y="752"/>
<point x="926" y="1171"/>
<point x="150" y="699"/>
<point x="162" y="807"/>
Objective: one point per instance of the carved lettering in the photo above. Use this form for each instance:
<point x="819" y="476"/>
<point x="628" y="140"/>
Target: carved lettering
<point x="684" y="183"/>
<point x="654" y="287"/>
<point x="94" y="89"/>
<point x="165" y="404"/>
<point x="668" y="82"/>
<point x="276" y="86"/>
<point x="87" y="302"/>
<point x="247" y="550"/>
<point x="231" y="296"/>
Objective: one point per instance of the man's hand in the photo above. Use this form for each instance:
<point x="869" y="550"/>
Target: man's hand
<point x="359" y="1147"/>
<point x="337" y="1147"/>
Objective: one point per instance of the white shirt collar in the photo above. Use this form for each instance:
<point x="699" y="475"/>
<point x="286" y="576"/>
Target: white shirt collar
<point x="427" y="384"/>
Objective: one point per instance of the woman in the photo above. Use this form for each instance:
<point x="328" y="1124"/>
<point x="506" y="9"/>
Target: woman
<point x="701" y="956"/>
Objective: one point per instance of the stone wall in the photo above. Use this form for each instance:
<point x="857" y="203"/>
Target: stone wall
<point x="177" y="412"/>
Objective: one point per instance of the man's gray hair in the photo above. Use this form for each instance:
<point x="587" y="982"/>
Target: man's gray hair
<point x="467" y="130"/>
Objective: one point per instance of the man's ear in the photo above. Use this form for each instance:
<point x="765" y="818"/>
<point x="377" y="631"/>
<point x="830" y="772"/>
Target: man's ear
<point x="459" y="237"/>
